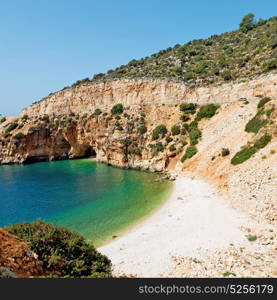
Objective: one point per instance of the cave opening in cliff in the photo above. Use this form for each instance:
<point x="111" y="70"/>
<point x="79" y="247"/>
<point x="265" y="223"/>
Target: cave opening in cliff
<point x="89" y="152"/>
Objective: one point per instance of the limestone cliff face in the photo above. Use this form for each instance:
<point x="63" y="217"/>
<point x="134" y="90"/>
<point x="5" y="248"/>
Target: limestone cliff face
<point x="85" y="98"/>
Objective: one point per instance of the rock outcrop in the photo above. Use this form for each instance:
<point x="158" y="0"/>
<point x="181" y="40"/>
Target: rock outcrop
<point x="86" y="98"/>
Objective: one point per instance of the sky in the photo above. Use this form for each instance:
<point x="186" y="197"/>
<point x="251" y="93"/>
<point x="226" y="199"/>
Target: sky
<point x="49" y="44"/>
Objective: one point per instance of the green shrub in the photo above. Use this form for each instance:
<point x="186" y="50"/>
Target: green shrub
<point x="10" y="128"/>
<point x="263" y="101"/>
<point x="247" y="23"/>
<point x="159" y="130"/>
<point x="117" y="109"/>
<point x="184" y="118"/>
<point x="175" y="130"/>
<point x="117" y="117"/>
<point x="188" y="108"/>
<point x="251" y="238"/>
<point x="63" y="252"/>
<point x="188" y="76"/>
<point x="262" y="142"/>
<point x="194" y="135"/>
<point x="142" y="114"/>
<point x="243" y="155"/>
<point x="126" y="142"/>
<point x="19" y="136"/>
<point x="172" y="148"/>
<point x="269" y="111"/>
<point x="271" y="65"/>
<point x="31" y="129"/>
<point x="2" y="120"/>
<point x="169" y="139"/>
<point x="142" y="129"/>
<point x="206" y="111"/>
<point x="247" y="152"/>
<point x="97" y="112"/>
<point x="156" y="148"/>
<point x="225" y="151"/>
<point x="44" y="118"/>
<point x="190" y="152"/>
<point x="119" y="128"/>
<point x="255" y="124"/>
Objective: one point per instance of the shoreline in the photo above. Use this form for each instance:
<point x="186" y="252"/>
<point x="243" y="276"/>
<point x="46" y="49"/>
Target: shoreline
<point x="191" y="220"/>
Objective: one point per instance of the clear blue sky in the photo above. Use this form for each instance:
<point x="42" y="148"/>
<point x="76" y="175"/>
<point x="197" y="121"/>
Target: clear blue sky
<point x="49" y="44"/>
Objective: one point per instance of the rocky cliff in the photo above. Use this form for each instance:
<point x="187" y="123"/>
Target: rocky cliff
<point x="87" y="97"/>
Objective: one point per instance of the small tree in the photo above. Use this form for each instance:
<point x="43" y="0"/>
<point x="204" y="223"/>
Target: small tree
<point x="247" y="23"/>
<point x="117" y="109"/>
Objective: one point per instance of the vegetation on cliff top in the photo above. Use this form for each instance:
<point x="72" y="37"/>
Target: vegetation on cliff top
<point x="64" y="253"/>
<point x="248" y="51"/>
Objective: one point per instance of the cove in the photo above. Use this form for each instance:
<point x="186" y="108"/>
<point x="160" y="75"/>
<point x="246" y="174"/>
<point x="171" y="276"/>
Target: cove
<point x="93" y="199"/>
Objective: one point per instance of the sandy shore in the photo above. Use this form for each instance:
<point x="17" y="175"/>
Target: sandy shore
<point x="193" y="219"/>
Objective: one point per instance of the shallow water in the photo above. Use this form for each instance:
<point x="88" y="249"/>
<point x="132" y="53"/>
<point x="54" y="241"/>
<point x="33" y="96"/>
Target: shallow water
<point x="94" y="199"/>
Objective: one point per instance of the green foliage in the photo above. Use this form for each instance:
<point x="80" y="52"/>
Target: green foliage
<point x="190" y="152"/>
<point x="184" y="118"/>
<point x="206" y="111"/>
<point x="142" y="114"/>
<point x="270" y="65"/>
<point x="80" y="82"/>
<point x="156" y="148"/>
<point x="194" y="135"/>
<point x="269" y="111"/>
<point x="263" y="101"/>
<point x="188" y="108"/>
<point x="262" y="142"/>
<point x="243" y="155"/>
<point x="2" y="120"/>
<point x="10" y="128"/>
<point x="19" y="136"/>
<point x="63" y="252"/>
<point x="97" y="112"/>
<point x="247" y="23"/>
<point x="175" y="130"/>
<point x="117" y="109"/>
<point x="172" y="148"/>
<point x="159" y="130"/>
<point x="227" y="274"/>
<point x="169" y="139"/>
<point x="6" y="273"/>
<point x="225" y="152"/>
<point x="251" y="238"/>
<point x="247" y="152"/>
<point x="126" y="142"/>
<point x="256" y="123"/>
<point x="142" y="129"/>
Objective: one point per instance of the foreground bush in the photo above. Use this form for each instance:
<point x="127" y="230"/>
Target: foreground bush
<point x="6" y="273"/>
<point x="63" y="252"/>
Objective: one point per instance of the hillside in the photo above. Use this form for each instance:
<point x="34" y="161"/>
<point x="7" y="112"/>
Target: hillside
<point x="251" y="50"/>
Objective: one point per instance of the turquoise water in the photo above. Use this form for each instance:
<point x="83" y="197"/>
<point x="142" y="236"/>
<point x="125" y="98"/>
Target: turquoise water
<point x="94" y="199"/>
